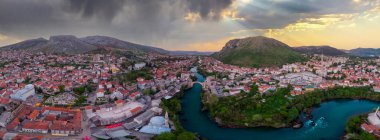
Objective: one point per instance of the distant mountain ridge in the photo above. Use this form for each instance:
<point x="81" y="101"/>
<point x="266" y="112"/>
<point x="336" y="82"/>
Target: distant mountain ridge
<point x="69" y="44"/>
<point x="326" y="50"/>
<point x="365" y="52"/>
<point x="190" y="53"/>
<point x="257" y="51"/>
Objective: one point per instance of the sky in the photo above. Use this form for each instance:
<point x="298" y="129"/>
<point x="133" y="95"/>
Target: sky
<point x="201" y="25"/>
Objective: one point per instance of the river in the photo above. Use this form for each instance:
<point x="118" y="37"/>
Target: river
<point x="335" y="114"/>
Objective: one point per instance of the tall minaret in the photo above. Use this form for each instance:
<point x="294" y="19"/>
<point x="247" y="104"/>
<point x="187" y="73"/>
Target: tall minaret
<point x="323" y="66"/>
<point x="166" y="119"/>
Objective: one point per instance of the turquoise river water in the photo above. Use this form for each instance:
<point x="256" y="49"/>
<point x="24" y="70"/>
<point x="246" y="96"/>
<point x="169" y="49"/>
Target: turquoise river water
<point x="330" y="118"/>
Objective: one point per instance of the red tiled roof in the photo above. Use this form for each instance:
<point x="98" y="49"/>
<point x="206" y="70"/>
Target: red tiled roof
<point x="119" y="101"/>
<point x="36" y="125"/>
<point x="34" y="114"/>
<point x="135" y="110"/>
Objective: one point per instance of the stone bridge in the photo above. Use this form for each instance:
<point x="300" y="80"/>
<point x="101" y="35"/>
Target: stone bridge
<point x="203" y="84"/>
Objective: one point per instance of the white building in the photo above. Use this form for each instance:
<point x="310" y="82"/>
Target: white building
<point x="139" y="66"/>
<point x="115" y="114"/>
<point x="24" y="93"/>
<point x="374" y="118"/>
<point x="157" y="125"/>
<point x="5" y="118"/>
<point x="302" y="78"/>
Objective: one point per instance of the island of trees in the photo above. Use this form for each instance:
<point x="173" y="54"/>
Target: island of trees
<point x="276" y="109"/>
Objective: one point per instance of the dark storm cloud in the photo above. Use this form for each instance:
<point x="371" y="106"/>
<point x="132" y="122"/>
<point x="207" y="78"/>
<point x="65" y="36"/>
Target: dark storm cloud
<point x="208" y="9"/>
<point x="21" y="15"/>
<point x="101" y="8"/>
<point x="142" y="18"/>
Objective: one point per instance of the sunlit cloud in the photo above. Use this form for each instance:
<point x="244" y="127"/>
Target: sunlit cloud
<point x="214" y="45"/>
<point x="6" y="40"/>
<point x="192" y="17"/>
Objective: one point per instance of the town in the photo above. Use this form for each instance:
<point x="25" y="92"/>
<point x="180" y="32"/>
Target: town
<point x="87" y="96"/>
<point x="108" y="96"/>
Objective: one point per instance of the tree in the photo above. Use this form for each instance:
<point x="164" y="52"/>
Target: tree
<point x="254" y="89"/>
<point x="352" y="123"/>
<point x="79" y="90"/>
<point x="165" y="136"/>
<point x="186" y="136"/>
<point x="80" y="100"/>
<point x="61" y="88"/>
<point x="147" y="92"/>
<point x="367" y="136"/>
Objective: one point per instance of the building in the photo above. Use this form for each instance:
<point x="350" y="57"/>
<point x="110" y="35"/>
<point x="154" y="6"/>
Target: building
<point x="24" y="93"/>
<point x="368" y="128"/>
<point x="157" y="125"/>
<point x="36" y="127"/>
<point x="115" y="114"/>
<point x="139" y="66"/>
<point x="302" y="78"/>
<point x="374" y="118"/>
<point x="5" y="118"/>
<point x="376" y="88"/>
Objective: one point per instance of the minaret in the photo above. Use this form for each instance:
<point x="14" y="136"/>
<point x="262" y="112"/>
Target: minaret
<point x="166" y="119"/>
<point x="323" y="66"/>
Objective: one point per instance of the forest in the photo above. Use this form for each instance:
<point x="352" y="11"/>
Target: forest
<point x="277" y="109"/>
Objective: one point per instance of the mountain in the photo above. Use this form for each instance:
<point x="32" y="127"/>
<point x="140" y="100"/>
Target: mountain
<point x="326" y="50"/>
<point x="68" y="44"/>
<point x="257" y="51"/>
<point x="365" y="52"/>
<point x="27" y="44"/>
<point x="190" y="53"/>
<point x="109" y="42"/>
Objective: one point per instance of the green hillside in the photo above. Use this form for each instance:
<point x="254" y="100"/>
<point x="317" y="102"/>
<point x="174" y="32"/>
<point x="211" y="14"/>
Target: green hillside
<point x="258" y="52"/>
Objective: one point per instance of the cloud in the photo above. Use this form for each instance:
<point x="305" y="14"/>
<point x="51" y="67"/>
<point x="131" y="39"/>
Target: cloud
<point x="106" y="9"/>
<point x="172" y="24"/>
<point x="208" y="9"/>
<point x="7" y="39"/>
<point x="142" y="21"/>
<point x="274" y="14"/>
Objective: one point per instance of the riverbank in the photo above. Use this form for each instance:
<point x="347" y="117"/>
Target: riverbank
<point x="173" y="107"/>
<point x="336" y="114"/>
<point x="353" y="128"/>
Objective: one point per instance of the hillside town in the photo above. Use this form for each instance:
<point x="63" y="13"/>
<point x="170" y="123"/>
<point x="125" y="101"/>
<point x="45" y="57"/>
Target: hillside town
<point x="107" y="96"/>
<point x="84" y="97"/>
<point x="321" y="72"/>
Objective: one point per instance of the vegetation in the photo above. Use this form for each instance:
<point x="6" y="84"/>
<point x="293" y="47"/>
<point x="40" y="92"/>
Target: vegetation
<point x="353" y="130"/>
<point x="218" y="75"/>
<point x="133" y="75"/>
<point x="258" y="52"/>
<point x="80" y="90"/>
<point x="80" y="101"/>
<point x="276" y="109"/>
<point x="165" y="136"/>
<point x="27" y="80"/>
<point x="271" y="57"/>
<point x="61" y="88"/>
<point x="173" y="107"/>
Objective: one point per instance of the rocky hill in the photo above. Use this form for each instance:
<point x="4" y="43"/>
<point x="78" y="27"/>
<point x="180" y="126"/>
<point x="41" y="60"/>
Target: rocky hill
<point x="257" y="52"/>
